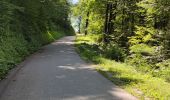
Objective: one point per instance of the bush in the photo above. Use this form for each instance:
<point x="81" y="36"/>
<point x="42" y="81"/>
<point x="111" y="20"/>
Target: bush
<point x="139" y="62"/>
<point x="163" y="70"/>
<point x="142" y="49"/>
<point x="114" y="52"/>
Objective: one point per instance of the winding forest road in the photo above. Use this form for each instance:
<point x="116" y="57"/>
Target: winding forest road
<point x="57" y="72"/>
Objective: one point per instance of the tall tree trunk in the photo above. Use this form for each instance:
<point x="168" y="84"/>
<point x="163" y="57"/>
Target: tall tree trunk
<point x="106" y="20"/>
<point x="79" y="25"/>
<point x="114" y="16"/>
<point x="110" y="23"/>
<point x="87" y="23"/>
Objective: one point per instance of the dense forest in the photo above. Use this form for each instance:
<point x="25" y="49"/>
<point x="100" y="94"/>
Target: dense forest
<point x="133" y="32"/>
<point x="26" y="25"/>
<point x="128" y="39"/>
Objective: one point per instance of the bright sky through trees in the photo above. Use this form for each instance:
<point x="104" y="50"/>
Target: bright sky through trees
<point x="74" y="1"/>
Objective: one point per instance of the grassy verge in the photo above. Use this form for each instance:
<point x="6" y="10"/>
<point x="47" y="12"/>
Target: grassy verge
<point x="142" y="85"/>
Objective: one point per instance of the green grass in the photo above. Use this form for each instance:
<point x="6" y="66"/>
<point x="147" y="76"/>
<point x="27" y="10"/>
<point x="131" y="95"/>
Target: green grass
<point x="141" y="85"/>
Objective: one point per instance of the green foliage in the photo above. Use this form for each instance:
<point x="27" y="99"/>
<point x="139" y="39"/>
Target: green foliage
<point x="140" y="35"/>
<point x="139" y="62"/>
<point x="141" y="85"/>
<point x="163" y="70"/>
<point x="114" y="52"/>
<point x="140" y="30"/>
<point x="142" y="49"/>
<point x="26" y="25"/>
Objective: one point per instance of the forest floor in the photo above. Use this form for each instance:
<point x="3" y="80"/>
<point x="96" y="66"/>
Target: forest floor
<point x="144" y="86"/>
<point x="57" y="72"/>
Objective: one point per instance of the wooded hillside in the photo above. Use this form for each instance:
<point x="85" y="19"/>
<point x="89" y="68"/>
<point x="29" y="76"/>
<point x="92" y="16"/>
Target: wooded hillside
<point x="26" y="25"/>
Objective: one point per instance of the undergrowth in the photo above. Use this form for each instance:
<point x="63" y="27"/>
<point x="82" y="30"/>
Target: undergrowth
<point x="25" y="26"/>
<point x="14" y="49"/>
<point x="140" y="84"/>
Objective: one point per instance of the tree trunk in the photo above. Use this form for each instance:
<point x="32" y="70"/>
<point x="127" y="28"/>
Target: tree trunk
<point x="87" y="23"/>
<point x="106" y="21"/>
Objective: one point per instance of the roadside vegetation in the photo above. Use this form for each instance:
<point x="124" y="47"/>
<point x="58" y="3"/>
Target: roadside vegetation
<point x="130" y="40"/>
<point x="144" y="85"/>
<point x="26" y="25"/>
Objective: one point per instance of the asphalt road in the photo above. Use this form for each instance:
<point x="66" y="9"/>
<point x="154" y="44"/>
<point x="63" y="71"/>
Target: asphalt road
<point x="57" y="72"/>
